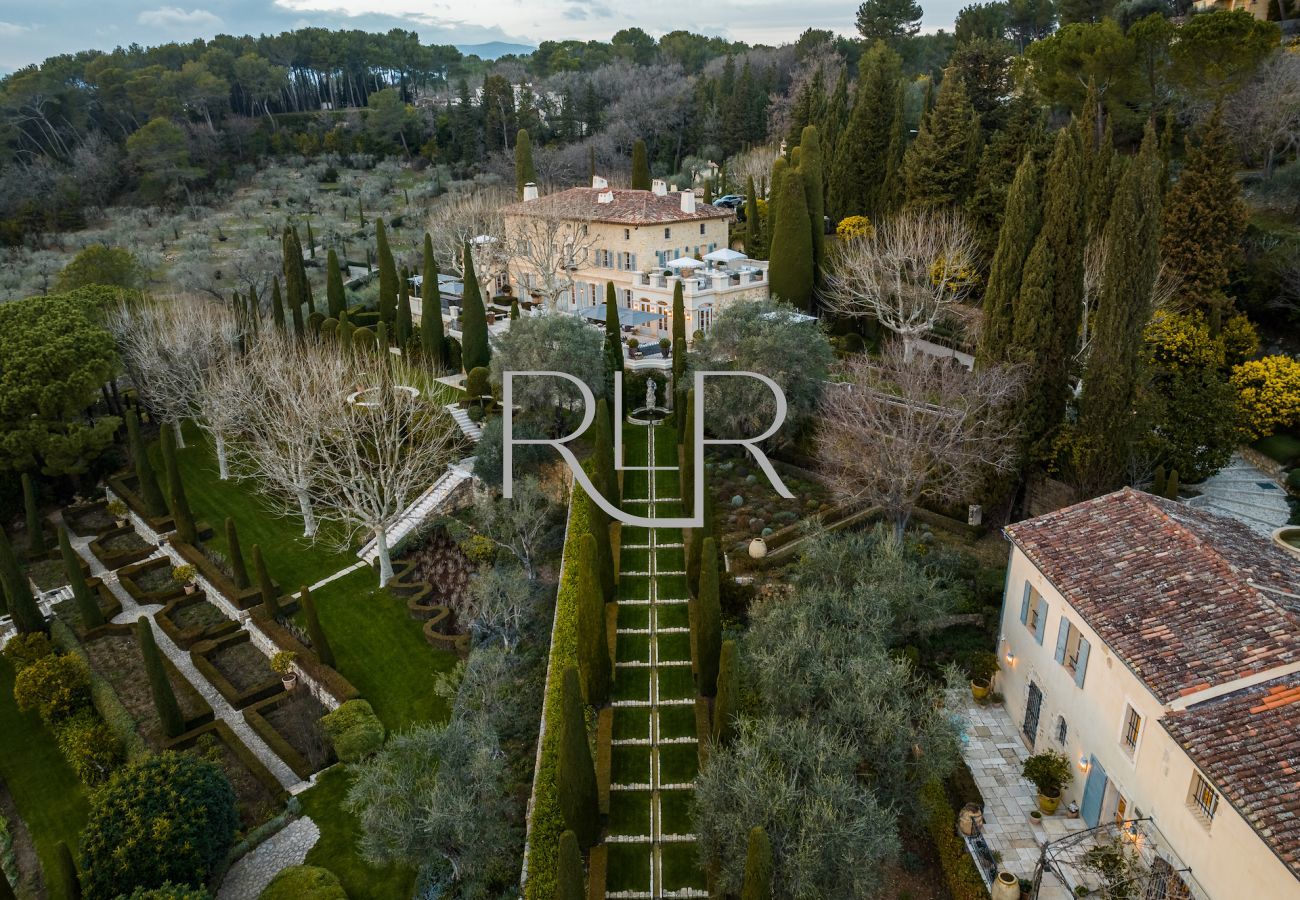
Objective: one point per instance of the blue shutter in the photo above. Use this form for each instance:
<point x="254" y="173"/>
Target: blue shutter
<point x="1082" y="669"/>
<point x="1062" y="636"/>
<point x="1042" y="620"/>
<point x="1093" y="791"/>
<point x="1024" y="606"/>
<point x="633" y="262"/>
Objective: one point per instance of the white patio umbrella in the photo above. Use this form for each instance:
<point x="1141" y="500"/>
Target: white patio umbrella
<point x="724" y="255"/>
<point x="683" y="262"/>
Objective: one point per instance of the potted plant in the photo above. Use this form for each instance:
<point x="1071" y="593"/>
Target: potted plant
<point x="1026" y="889"/>
<point x="184" y="576"/>
<point x="983" y="666"/>
<point x="664" y="345"/>
<point x="1051" y="773"/>
<point x="1036" y="817"/>
<point x="632" y="344"/>
<point x="117" y="509"/>
<point x="282" y="665"/>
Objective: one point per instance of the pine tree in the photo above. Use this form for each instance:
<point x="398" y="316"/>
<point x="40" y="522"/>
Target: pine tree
<point x="861" y="153"/>
<point x="758" y="866"/>
<point x="1046" y="320"/>
<point x="708" y="636"/>
<point x="811" y="168"/>
<point x="236" y="555"/>
<point x="790" y="272"/>
<point x="937" y="168"/>
<point x="524" y="171"/>
<point x="1019" y="229"/>
<point x="475" y="350"/>
<point x="1108" y="423"/>
<point x="18" y="591"/>
<point x="387" y="274"/>
<point x="575" y="779"/>
<point x="182" y="518"/>
<point x="593" y="648"/>
<point x="432" y="341"/>
<point x="1204" y="219"/>
<point x="403" y="329"/>
<point x="35" y="528"/>
<point x="613" y="342"/>
<point x="277" y="305"/>
<point x="679" y="336"/>
<point x="164" y="695"/>
<point x="640" y="167"/>
<point x="66" y="878"/>
<point x="571" y="879"/>
<point x="753" y="223"/>
<point x="147" y="481"/>
<point x="335" y="295"/>
<point x="265" y="586"/>
<point x="87" y="607"/>
<point x="319" y="641"/>
<point x="603" y="454"/>
<point x="726" y="705"/>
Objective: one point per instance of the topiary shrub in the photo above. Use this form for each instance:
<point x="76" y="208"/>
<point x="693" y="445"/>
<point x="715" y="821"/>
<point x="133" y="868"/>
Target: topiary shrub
<point x="25" y="649"/>
<point x="354" y="729"/>
<point x="55" y="686"/>
<point x="305" y="883"/>
<point x="89" y="746"/>
<point x="164" y="818"/>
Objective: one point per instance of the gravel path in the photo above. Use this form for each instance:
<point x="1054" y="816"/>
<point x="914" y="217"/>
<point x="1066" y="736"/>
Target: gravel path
<point x="251" y="873"/>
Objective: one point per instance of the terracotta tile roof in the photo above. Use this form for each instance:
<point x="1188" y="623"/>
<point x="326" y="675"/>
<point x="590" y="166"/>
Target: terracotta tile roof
<point x="1167" y="587"/>
<point x="627" y="208"/>
<point x="1248" y="744"/>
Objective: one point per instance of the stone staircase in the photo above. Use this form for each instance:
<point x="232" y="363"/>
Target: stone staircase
<point x="423" y="507"/>
<point x="470" y="428"/>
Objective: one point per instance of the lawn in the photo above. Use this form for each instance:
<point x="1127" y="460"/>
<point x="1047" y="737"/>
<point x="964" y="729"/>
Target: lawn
<point x="336" y="849"/>
<point x="48" y="795"/>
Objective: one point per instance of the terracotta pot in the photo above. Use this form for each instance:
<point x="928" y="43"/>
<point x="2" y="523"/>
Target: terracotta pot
<point x="970" y="821"/>
<point x="191" y="588"/>
<point x="1049" y="802"/>
<point x="289" y="681"/>
<point x="1036" y="818"/>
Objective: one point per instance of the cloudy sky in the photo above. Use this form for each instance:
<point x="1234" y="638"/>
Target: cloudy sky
<point x="31" y="31"/>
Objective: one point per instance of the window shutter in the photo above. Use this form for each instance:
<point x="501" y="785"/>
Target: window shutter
<point x="1062" y="636"/>
<point x="1042" y="620"/>
<point x="1024" y="606"/>
<point x="1082" y="669"/>
<point x="633" y="266"/>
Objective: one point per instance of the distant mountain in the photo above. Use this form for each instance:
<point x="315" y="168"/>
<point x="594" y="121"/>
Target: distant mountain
<point x="494" y="49"/>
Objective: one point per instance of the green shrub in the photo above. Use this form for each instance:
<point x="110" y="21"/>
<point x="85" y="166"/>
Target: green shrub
<point x="478" y="548"/>
<point x="354" y="729"/>
<point x="164" y="818"/>
<point x="982" y="666"/>
<point x="169" y="891"/>
<point x="89" y="746"/>
<point x="25" y="649"/>
<point x="1049" y="771"/>
<point x="305" y="883"/>
<point x="959" y="872"/>
<point x="56" y="686"/>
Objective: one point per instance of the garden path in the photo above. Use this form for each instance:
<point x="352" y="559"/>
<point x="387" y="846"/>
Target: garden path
<point x="655" y="751"/>
<point x="253" y="871"/>
<point x="131" y="611"/>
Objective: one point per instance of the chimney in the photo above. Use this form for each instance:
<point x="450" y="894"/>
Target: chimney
<point x="530" y="192"/>
<point x="688" y="201"/>
<point x="659" y="187"/>
<point x="599" y="183"/>
<point x="605" y="197"/>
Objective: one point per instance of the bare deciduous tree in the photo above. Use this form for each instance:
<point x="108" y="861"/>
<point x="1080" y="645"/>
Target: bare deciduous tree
<point x="518" y="525"/>
<point x="1265" y="115"/>
<point x="547" y="249"/>
<point x="906" y="274"/>
<point x="458" y="219"/>
<point x="905" y="429"/>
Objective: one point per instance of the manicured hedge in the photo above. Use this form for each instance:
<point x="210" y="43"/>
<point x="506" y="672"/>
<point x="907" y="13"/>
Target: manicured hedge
<point x="310" y="664"/>
<point x="959" y="872"/>
<point x="245" y="598"/>
<point x="116" y="559"/>
<point x="223" y="733"/>
<point x="547" y="823"/>
<point x="72" y="517"/>
<point x="281" y="747"/>
<point x="187" y="693"/>
<point x="102" y="695"/>
<point x="186" y="638"/>
<point x="423" y="604"/>
<point x="124" y="486"/>
<point x="128" y="575"/>
<point x="238" y="699"/>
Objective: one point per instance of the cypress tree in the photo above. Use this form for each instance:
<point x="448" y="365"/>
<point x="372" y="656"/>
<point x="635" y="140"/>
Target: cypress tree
<point x="91" y="616"/>
<point x="1046" y="320"/>
<point x="346" y="330"/>
<point x="295" y="314"/>
<point x="18" y="591"/>
<point x="524" y="171"/>
<point x="1158" y="481"/>
<point x="177" y="502"/>
<point x="811" y="168"/>
<point x="603" y="454"/>
<point x="937" y="168"/>
<point x="432" y="341"/>
<point x="600" y="524"/>
<point x="1103" y="172"/>
<point x="725" y="706"/>
<point x="694" y="547"/>
<point x="1019" y="229"/>
<point x="475" y="350"/>
<point x="6" y="890"/>
<point x="147" y="480"/>
<point x="514" y="310"/>
<point x="387" y="274"/>
<point x="593" y="649"/>
<point x="1171" y="485"/>
<point x="164" y="696"/>
<point x="753" y="223"/>
<point x="236" y="555"/>
<point x="575" y="780"/>
<point x="679" y="336"/>
<point x="999" y="161"/>
<point x="708" y="635"/>
<point x="686" y="481"/>
<point x="311" y="241"/>
<point x="277" y="305"/>
<point x="403" y="329"/>
<point x="613" y="342"/>
<point x="69" y="883"/>
<point x="35" y="532"/>
<point x="319" y="642"/>
<point x="862" y="151"/>
<point x="891" y="189"/>
<point x="779" y="165"/>
<point x="1204" y="219"/>
<point x="363" y="340"/>
<point x="1108" y="424"/>
<point x="335" y="295"/>
<point x="831" y="123"/>
<point x="791" y="269"/>
<point x="758" y="866"/>
<point x="569" y="875"/>
<point x="640" y="167"/>
<point x="295" y="273"/>
<point x="265" y="586"/>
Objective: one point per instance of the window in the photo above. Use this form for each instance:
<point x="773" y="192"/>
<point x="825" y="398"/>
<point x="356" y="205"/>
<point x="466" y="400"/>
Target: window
<point x="1121" y="809"/>
<point x="1132" y="729"/>
<point x="1062" y="730"/>
<point x="701" y="228"/>
<point x="1033" y="612"/>
<point x="627" y="234"/>
<point x="1072" y="650"/>
<point x="668" y="232"/>
<point x="1203" y="799"/>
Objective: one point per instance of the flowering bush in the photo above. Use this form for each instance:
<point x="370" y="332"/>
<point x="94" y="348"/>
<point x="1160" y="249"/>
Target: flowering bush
<point x="854" y="227"/>
<point x="1268" y="392"/>
<point x="1178" y="342"/>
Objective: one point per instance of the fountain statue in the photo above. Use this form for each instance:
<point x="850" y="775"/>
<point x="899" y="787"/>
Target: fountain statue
<point x="650" y="393"/>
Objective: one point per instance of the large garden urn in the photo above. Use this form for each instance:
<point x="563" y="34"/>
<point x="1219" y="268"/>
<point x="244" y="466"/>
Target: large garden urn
<point x="757" y="548"/>
<point x="1005" y="887"/>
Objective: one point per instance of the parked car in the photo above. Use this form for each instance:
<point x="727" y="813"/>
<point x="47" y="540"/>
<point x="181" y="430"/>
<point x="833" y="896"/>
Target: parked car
<point x="730" y="201"/>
